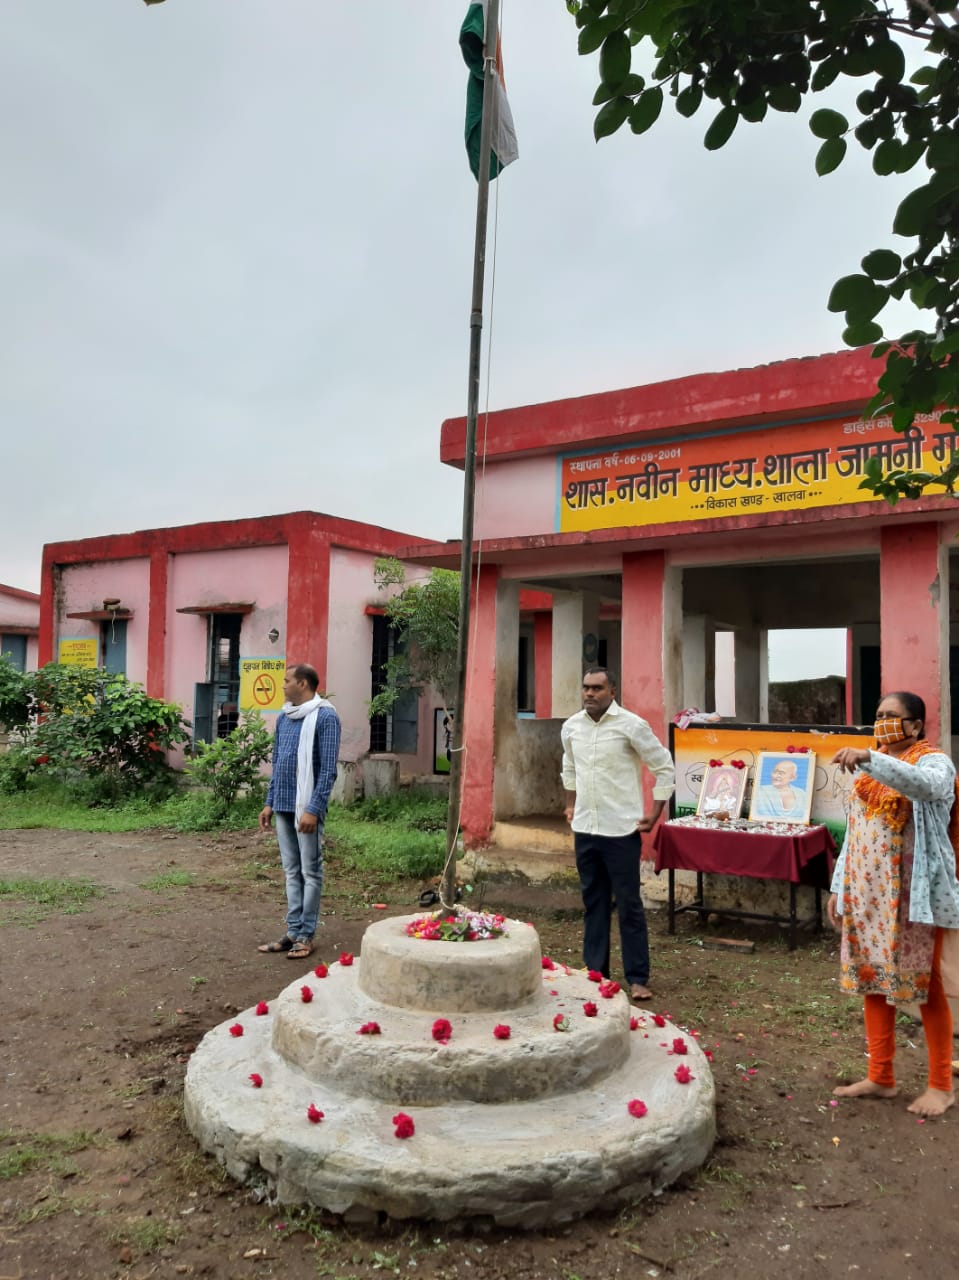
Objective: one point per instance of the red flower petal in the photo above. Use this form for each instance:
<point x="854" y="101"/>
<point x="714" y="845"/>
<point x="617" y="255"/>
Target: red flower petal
<point x="236" y="1029"/>
<point x="404" y="1127"/>
<point x="634" y="1024"/>
<point x="590" y="1009"/>
<point x="256" y="1080"/>
<point x="679" y="1045"/>
<point x="442" y="1030"/>
<point x="369" y="1029"/>
<point x="561" y="1022"/>
<point x="609" y="989"/>
<point x="321" y="970"/>
<point x="547" y="963"/>
<point x="683" y="1074"/>
<point x="262" y="1008"/>
<point x="659" y="1020"/>
<point x="314" y="1114"/>
<point x="594" y="975"/>
<point x="306" y="994"/>
<point x="346" y="959"/>
<point x="501" y="1031"/>
<point x="637" y="1108"/>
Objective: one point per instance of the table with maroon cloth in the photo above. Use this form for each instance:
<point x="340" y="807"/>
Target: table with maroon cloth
<point x="801" y="857"/>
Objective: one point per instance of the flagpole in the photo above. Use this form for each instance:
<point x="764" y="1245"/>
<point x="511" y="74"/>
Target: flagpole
<point x="448" y="885"/>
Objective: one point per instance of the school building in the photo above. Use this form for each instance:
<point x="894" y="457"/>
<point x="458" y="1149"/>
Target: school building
<point x="208" y="616"/>
<point x="658" y="528"/>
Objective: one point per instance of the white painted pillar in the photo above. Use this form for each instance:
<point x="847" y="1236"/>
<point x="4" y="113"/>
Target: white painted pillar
<point x="752" y="676"/>
<point x="575" y="619"/>
<point x="694" y="661"/>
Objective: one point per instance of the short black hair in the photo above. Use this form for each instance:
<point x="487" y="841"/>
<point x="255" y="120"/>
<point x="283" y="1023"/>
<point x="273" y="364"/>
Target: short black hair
<point x="602" y="671"/>
<point x="303" y="671"/>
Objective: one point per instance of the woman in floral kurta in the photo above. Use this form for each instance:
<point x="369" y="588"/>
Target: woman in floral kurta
<point x="894" y="893"/>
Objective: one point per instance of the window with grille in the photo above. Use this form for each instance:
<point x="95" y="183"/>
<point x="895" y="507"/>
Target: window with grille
<point x="396" y="730"/>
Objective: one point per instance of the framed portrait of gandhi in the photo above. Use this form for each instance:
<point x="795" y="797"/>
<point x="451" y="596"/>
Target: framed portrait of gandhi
<point x="783" y="787"/>
<point x="722" y="792"/>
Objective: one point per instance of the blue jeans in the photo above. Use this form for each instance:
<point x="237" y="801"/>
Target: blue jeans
<point x="608" y="867"/>
<point x="301" y="853"/>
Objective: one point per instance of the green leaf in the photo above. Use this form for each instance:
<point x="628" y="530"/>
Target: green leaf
<point x="882" y="264"/>
<point x="909" y="153"/>
<point x="755" y="111"/>
<point x="862" y="334"/>
<point x="786" y="97"/>
<point x="609" y="118"/>
<point x="593" y="35"/>
<point x="826" y="72"/>
<point x="828" y="124"/>
<point x="923" y="75"/>
<point x="721" y="129"/>
<point x="888" y="60"/>
<point x="948" y="346"/>
<point x="850" y="292"/>
<point x="913" y="212"/>
<point x="687" y="102"/>
<point x="614" y="58"/>
<point x="830" y="155"/>
<point x="645" y="110"/>
<point x="886" y="157"/>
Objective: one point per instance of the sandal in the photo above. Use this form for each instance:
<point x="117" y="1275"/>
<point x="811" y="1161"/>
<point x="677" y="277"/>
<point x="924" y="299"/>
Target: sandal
<point x="302" y="948"/>
<point x="285" y="944"/>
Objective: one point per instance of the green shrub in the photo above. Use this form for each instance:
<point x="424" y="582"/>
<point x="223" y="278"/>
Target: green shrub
<point x="97" y="733"/>
<point x="232" y="764"/>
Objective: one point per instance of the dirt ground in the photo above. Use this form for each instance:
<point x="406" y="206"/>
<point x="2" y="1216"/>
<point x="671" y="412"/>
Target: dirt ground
<point x="101" y="1010"/>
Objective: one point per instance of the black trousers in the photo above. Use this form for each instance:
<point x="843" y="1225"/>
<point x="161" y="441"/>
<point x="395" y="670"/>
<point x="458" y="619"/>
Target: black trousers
<point x="608" y="867"/>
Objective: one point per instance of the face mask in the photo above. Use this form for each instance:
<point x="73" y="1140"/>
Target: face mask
<point x="889" y="730"/>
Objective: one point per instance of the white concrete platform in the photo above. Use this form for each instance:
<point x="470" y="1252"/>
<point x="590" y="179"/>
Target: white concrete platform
<point x="526" y="1131"/>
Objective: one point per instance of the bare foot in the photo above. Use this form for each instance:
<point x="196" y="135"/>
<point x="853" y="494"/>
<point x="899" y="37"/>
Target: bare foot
<point x="932" y="1103"/>
<point x="865" y="1089"/>
<point x="639" y="992"/>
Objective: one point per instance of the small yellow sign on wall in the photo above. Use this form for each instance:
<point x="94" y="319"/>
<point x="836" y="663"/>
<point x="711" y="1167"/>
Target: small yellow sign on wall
<point x="261" y="683"/>
<point x="79" y="653"/>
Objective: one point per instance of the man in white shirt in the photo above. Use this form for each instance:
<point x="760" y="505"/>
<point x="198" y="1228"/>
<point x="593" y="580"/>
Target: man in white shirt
<point x="604" y="749"/>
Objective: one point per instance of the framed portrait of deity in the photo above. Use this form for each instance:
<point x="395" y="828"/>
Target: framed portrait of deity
<point x="783" y="787"/>
<point x="722" y="792"/>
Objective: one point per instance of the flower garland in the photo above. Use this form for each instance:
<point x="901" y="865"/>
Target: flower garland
<point x="463" y="926"/>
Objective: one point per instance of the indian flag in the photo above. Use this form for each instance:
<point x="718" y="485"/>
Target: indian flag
<point x="505" y="151"/>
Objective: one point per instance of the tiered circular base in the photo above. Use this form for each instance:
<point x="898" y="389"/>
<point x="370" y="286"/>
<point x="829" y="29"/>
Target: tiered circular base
<point x="528" y="1130"/>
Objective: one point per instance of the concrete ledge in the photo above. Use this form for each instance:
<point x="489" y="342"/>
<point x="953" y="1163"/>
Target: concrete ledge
<point x="405" y="1065"/>
<point x="499" y="973"/>
<point x="526" y="1132"/>
<point x="523" y="1164"/>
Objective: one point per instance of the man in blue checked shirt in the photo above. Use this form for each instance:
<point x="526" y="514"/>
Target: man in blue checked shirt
<point x="305" y="749"/>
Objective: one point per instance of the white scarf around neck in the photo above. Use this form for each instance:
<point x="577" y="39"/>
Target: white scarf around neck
<point x="305" y="711"/>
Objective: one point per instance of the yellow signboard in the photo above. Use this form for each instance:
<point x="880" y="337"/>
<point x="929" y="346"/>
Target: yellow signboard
<point x="79" y="653"/>
<point x="261" y="684"/>
<point x="753" y="471"/>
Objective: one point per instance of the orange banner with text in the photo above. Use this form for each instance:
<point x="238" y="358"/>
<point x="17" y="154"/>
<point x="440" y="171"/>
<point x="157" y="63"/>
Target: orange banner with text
<point x="751" y="472"/>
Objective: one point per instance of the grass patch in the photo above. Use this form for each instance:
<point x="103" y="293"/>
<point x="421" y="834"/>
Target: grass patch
<point x="400" y="835"/>
<point x="47" y="897"/>
<point x="56" y="808"/>
<point x="169" y="880"/>
<point x="147" y="1235"/>
<point x="22" y="1153"/>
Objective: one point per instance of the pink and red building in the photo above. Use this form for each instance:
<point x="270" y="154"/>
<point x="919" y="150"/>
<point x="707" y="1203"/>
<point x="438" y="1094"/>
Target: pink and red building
<point x="19" y="626"/>
<point x="658" y="527"/>
<point x="208" y="616"/>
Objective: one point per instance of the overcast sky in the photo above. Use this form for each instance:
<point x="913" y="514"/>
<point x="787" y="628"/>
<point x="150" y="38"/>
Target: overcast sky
<point x="236" y="248"/>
